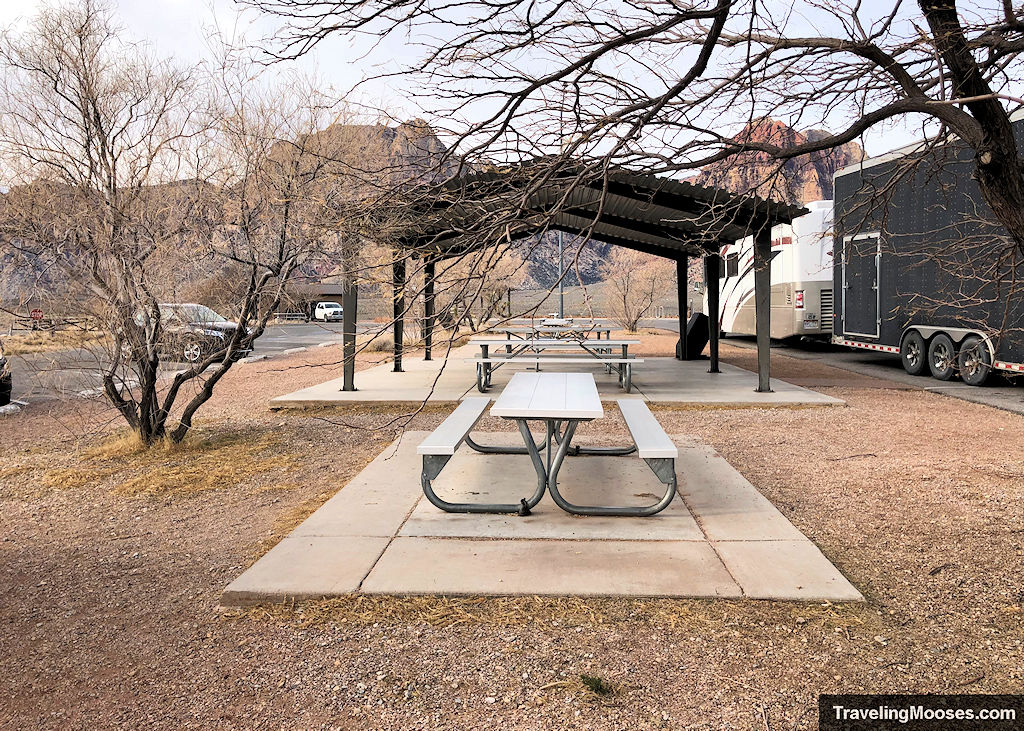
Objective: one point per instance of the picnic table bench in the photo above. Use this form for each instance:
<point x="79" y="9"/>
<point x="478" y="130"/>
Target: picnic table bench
<point x="530" y="351"/>
<point x="561" y="401"/>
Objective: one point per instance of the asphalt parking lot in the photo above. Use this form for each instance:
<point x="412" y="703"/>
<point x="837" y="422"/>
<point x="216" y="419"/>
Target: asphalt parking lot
<point x="1000" y="392"/>
<point x="42" y="376"/>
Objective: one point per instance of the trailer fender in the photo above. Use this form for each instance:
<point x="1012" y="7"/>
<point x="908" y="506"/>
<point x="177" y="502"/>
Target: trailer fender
<point x="956" y="334"/>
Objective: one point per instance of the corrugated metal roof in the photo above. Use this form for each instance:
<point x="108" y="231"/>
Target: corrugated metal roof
<point x="617" y="206"/>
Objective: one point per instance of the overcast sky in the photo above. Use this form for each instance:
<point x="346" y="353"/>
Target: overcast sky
<point x="180" y="28"/>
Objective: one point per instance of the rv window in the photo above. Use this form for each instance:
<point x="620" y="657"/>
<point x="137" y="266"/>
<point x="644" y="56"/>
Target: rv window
<point x="732" y="265"/>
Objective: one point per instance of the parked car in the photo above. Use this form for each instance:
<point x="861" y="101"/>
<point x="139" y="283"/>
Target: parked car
<point x="327" y="312"/>
<point x="191" y="332"/>
<point x="6" y="381"/>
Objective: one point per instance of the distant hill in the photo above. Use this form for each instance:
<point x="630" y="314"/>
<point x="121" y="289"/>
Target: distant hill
<point x="411" y="151"/>
<point x="800" y="180"/>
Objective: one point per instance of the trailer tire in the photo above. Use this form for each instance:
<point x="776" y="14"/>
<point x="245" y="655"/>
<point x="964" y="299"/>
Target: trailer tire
<point x="942" y="357"/>
<point x="974" y="361"/>
<point x="914" y="353"/>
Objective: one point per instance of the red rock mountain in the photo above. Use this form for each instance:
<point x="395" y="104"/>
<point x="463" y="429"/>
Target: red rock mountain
<point x="800" y="180"/>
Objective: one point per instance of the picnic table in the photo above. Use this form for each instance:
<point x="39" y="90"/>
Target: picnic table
<point x="529" y="351"/>
<point x="561" y="401"/>
<point x="573" y="331"/>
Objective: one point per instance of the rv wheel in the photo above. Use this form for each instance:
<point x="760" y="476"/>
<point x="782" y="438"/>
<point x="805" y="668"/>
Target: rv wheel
<point x="974" y="361"/>
<point x="942" y="357"/>
<point x="913" y="353"/>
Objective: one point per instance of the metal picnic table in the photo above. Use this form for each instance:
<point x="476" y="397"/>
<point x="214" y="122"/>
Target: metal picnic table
<point x="576" y="332"/>
<point x="561" y="401"/>
<point x="528" y="350"/>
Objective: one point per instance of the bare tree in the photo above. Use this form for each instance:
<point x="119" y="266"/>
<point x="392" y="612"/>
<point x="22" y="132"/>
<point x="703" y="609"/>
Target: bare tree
<point x="657" y="85"/>
<point x="129" y="185"/>
<point x="633" y="283"/>
<point x="482" y="280"/>
<point x="90" y="127"/>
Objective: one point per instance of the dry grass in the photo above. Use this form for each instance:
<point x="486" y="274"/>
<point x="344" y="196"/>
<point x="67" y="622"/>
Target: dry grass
<point x="363" y="609"/>
<point x="42" y="341"/>
<point x="695" y="615"/>
<point x="203" y="461"/>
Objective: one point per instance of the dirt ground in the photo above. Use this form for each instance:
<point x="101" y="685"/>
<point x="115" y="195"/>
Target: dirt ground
<point x="112" y="561"/>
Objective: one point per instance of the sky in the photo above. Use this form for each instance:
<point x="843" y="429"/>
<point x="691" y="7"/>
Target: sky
<point x="179" y="28"/>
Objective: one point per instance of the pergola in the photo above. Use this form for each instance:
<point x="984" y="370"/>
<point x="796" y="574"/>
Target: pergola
<point x="656" y="215"/>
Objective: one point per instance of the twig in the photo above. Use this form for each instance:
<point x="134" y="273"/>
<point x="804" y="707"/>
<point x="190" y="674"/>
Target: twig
<point x="556" y="684"/>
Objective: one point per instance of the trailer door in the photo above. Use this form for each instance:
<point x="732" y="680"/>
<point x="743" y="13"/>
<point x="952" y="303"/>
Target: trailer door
<point x="862" y="260"/>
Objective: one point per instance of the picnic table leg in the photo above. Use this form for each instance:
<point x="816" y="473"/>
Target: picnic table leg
<point x="434" y="463"/>
<point x="664" y="470"/>
<point x="626" y="371"/>
<point x="576" y="450"/>
<point x="483" y="372"/>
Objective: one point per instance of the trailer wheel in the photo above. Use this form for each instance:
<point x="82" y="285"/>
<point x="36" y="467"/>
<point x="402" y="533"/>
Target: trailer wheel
<point x="974" y="361"/>
<point x="914" y="353"/>
<point x="942" y="357"/>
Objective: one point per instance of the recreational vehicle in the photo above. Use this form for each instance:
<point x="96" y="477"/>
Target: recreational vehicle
<point x="922" y="268"/>
<point x="801" y="299"/>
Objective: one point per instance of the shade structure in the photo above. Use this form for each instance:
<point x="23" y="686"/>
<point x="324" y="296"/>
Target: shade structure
<point x="649" y="213"/>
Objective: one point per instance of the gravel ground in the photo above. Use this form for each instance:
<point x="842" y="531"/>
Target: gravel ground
<point x="110" y="616"/>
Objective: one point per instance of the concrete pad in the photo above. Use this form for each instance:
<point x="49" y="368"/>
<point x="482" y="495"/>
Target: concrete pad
<point x="306" y="568"/>
<point x="590" y="480"/>
<point x="658" y="380"/>
<point x="377" y="501"/>
<point x="785" y="570"/>
<point x="380" y="535"/>
<point x="581" y="568"/>
<point x="726" y="505"/>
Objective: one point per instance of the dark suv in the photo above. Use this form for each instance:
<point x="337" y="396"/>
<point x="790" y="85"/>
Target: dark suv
<point x="192" y="332"/>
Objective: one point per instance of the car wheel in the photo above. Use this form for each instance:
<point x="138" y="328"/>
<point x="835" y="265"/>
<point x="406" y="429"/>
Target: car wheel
<point x="192" y="351"/>
<point x="974" y="361"/>
<point x="913" y="353"/>
<point x="942" y="357"/>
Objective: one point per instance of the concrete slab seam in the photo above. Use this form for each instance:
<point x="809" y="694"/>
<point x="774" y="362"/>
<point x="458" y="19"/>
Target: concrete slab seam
<point x="391" y="539"/>
<point x="700" y="524"/>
